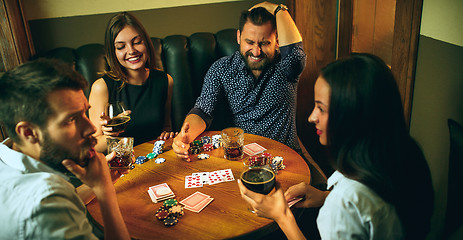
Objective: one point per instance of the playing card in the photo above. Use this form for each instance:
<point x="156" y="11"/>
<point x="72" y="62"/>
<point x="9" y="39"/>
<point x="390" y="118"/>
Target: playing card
<point x="293" y="201"/>
<point x="200" y="206"/>
<point x="253" y="149"/>
<point x="161" y="190"/>
<point x="194" y="199"/>
<point x="215" y="177"/>
<point x="193" y="182"/>
<point x="227" y="175"/>
<point x="204" y="177"/>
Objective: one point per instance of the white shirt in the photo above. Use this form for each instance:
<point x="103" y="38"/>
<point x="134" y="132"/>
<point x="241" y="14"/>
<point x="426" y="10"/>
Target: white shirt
<point x="37" y="202"/>
<point x="354" y="211"/>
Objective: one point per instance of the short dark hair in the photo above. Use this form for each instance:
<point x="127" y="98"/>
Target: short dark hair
<point x="115" y="25"/>
<point x="24" y="91"/>
<point x="257" y="16"/>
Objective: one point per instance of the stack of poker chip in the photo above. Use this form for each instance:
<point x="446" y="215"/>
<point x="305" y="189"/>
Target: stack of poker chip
<point x="196" y="147"/>
<point x="206" y="140"/>
<point x="277" y="163"/>
<point x="141" y="160"/>
<point x="157" y="148"/>
<point x="169" y="212"/>
<point x="217" y="141"/>
<point x="256" y="161"/>
<point x="208" y="147"/>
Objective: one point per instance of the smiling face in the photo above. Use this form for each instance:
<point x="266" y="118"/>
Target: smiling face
<point x="258" y="45"/>
<point x="130" y="49"/>
<point x="320" y="113"/>
<point x="68" y="133"/>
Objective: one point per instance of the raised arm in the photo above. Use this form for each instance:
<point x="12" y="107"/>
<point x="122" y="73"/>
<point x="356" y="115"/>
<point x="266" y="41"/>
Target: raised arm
<point x="286" y="28"/>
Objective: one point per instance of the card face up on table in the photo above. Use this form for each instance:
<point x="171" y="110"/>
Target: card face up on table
<point x="203" y="178"/>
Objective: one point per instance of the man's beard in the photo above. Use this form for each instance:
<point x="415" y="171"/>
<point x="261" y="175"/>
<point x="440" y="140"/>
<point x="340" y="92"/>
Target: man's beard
<point x="261" y="65"/>
<point x="53" y="154"/>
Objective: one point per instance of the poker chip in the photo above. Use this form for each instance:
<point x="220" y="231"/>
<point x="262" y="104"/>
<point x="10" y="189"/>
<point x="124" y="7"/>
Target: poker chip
<point x="141" y="160"/>
<point x="255" y="161"/>
<point x="197" y="143"/>
<point x="267" y="155"/>
<point x="170" y="220"/>
<point x="195" y="149"/>
<point x="162" y="208"/>
<point x="159" y="160"/>
<point x="277" y="163"/>
<point x="162" y="214"/>
<point x="203" y="156"/>
<point x="170" y="202"/>
<point x="177" y="210"/>
<point x="208" y="147"/>
<point x="206" y="139"/>
<point x="151" y="155"/>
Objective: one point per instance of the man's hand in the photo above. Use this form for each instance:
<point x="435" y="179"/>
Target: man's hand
<point x="181" y="143"/>
<point x="270" y="7"/>
<point x="312" y="196"/>
<point x="166" y="135"/>
<point x="95" y="174"/>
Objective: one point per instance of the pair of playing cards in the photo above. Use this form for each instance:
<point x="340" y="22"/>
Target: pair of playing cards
<point x="253" y="149"/>
<point x="196" y="202"/>
<point x="293" y="201"/>
<point x="160" y="192"/>
<point x="208" y="178"/>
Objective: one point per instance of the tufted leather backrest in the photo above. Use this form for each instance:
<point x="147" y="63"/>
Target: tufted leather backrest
<point x="186" y="59"/>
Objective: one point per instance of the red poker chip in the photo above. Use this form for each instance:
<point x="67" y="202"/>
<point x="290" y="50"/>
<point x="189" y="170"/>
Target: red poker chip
<point x="163" y="214"/>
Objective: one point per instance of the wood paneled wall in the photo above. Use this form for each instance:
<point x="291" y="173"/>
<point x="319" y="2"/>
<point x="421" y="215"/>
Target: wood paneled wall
<point x="316" y="20"/>
<point x="15" y="42"/>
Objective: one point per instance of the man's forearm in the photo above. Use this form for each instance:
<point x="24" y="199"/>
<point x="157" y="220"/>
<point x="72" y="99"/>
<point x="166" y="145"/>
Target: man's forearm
<point x="197" y="125"/>
<point x="114" y="225"/>
<point x="287" y="29"/>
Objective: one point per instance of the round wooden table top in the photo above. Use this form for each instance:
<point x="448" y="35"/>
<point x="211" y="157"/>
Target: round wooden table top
<point x="225" y="217"/>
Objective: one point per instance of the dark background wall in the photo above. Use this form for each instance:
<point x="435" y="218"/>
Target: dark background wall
<point x="79" y="30"/>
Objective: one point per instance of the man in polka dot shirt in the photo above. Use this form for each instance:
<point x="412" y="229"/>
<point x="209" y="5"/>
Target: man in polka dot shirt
<point x="258" y="82"/>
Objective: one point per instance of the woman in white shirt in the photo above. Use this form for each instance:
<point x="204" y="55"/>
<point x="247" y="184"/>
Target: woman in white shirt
<point x="382" y="187"/>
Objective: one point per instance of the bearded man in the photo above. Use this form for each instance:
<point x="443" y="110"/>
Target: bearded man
<point x="43" y="108"/>
<point x="258" y="83"/>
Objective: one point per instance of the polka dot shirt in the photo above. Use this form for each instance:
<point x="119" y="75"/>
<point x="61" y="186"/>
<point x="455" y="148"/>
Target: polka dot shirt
<point x="266" y="106"/>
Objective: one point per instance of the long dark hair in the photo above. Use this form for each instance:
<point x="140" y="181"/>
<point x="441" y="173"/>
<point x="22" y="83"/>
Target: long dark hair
<point x="368" y="139"/>
<point x="115" y="25"/>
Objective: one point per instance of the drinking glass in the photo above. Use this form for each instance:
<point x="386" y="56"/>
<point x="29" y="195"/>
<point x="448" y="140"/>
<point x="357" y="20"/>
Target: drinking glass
<point x="123" y="146"/>
<point x="233" y="141"/>
<point x="258" y="179"/>
<point x="118" y="117"/>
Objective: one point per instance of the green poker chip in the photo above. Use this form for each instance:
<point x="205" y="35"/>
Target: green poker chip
<point x="151" y="155"/>
<point x="170" y="202"/>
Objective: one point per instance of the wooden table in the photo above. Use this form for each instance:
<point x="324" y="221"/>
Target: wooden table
<point x="226" y="216"/>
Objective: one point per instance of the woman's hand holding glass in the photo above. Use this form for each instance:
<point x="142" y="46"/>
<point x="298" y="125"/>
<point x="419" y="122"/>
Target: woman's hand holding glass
<point x="272" y="205"/>
<point x="114" y="119"/>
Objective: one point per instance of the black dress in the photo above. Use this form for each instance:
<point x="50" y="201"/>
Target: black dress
<point x="147" y="103"/>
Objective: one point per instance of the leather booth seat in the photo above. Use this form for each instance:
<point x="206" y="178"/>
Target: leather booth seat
<point x="186" y="59"/>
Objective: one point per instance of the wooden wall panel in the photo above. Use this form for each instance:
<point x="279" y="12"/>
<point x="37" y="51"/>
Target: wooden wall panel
<point x="15" y="41"/>
<point x="405" y="49"/>
<point x="316" y="21"/>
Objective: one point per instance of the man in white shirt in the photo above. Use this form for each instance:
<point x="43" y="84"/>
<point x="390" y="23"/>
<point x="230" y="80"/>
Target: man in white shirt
<point x="43" y="108"/>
